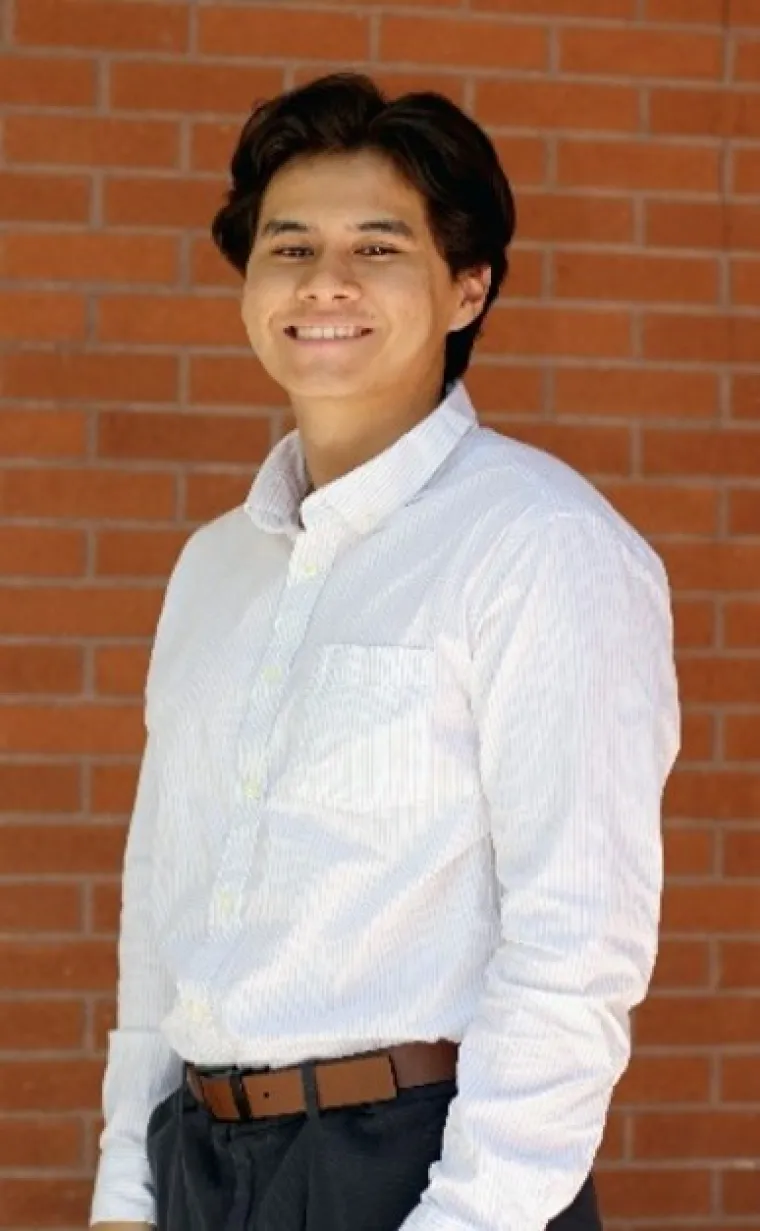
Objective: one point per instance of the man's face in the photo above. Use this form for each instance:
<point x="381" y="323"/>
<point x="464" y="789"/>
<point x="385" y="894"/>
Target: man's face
<point x="346" y="295"/>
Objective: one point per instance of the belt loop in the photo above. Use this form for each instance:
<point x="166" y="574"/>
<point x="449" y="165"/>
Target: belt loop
<point x="308" y="1073"/>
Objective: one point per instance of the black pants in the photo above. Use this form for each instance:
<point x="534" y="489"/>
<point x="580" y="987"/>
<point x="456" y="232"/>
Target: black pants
<point x="348" y="1169"/>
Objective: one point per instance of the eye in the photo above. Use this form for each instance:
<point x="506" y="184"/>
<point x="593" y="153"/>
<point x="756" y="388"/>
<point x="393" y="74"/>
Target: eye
<point x="296" y="252"/>
<point x="378" y="250"/>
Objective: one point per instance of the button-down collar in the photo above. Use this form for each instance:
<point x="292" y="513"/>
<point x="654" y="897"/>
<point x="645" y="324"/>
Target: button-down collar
<point x="367" y="494"/>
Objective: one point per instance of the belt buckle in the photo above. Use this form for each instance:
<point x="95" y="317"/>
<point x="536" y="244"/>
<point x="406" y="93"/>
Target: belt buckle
<point x="310" y="1090"/>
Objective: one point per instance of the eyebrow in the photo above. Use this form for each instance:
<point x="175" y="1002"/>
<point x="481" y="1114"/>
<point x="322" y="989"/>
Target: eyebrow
<point x="387" y="226"/>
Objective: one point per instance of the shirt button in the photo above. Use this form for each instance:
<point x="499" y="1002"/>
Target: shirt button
<point x="253" y="788"/>
<point x="226" y="903"/>
<point x="310" y="570"/>
<point x="272" y="674"/>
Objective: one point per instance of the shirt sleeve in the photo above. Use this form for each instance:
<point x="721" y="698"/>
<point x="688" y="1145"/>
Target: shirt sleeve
<point x="575" y="699"/>
<point x="141" y="1067"/>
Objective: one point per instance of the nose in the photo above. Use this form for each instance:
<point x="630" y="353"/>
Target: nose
<point x="328" y="281"/>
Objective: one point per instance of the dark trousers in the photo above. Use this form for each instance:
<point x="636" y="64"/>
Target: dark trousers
<point x="348" y="1169"/>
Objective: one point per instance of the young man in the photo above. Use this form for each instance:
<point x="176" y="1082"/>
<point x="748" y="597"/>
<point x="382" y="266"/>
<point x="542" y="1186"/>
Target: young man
<point x="393" y="876"/>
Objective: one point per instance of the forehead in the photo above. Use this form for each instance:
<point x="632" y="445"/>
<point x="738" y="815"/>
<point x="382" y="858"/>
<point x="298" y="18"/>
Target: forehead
<point x="330" y="188"/>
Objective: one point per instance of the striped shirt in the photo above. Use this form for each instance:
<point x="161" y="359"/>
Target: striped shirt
<point x="403" y="781"/>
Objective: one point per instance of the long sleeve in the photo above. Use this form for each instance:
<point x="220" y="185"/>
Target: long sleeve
<point x="576" y="703"/>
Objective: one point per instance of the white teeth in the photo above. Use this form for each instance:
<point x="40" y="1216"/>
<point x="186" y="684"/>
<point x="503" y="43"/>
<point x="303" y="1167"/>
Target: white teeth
<point x="328" y="333"/>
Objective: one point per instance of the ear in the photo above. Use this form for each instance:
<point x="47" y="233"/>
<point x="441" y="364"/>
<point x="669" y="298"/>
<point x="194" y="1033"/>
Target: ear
<point x="473" y="286"/>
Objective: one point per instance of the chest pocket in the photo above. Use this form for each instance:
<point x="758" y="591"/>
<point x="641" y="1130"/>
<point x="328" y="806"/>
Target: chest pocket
<point x="362" y="735"/>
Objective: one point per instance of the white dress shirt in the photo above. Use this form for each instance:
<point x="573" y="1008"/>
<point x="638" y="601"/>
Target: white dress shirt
<point x="403" y="781"/>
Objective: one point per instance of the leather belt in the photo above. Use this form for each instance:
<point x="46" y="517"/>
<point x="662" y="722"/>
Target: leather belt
<point x="250" y="1094"/>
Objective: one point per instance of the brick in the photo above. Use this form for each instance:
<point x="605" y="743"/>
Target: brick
<point x="62" y="850"/>
<point x="740" y="968"/>
<point x="208" y="268"/>
<point x="212" y="143"/>
<point x="208" y="495"/>
<point x="641" y="53"/>
<point x="87" y="611"/>
<point x="638" y="391"/>
<point x="48" y="1085"/>
<point x="746" y="171"/>
<point x="30" y="908"/>
<point x="651" y="166"/>
<point x="295" y="34"/>
<point x="642" y="277"/>
<point x="175" y="202"/>
<point x="104" y="1020"/>
<point x="187" y="437"/>
<point x="720" y="795"/>
<point x="699" y="1134"/>
<point x="80" y="376"/>
<point x="741" y="852"/>
<point x="42" y="316"/>
<point x="171" y="320"/>
<point x="660" y="1193"/>
<point x="664" y="1079"/>
<point x="701" y="338"/>
<point x="694" y="623"/>
<point x="703" y="112"/>
<point x="91" y="141"/>
<point x="498" y="388"/>
<point x="559" y="8"/>
<point x="697" y="737"/>
<point x="557" y="217"/>
<point x="90" y="257"/>
<point x="82" y="728"/>
<point x="41" y="1025"/>
<point x="592" y="450"/>
<point x="182" y="86"/>
<point x="702" y="224"/>
<point x="747" y="60"/>
<point x="708" y="12"/>
<point x="613" y="1140"/>
<point x="702" y="451"/>
<point x="45" y="1203"/>
<point x="712" y="566"/>
<point x="697" y="1021"/>
<point x="106" y="908"/>
<point x="714" y="909"/>
<point x="41" y="669"/>
<point x="38" y="433"/>
<point x="233" y="380"/>
<point x="745" y="12"/>
<point x="719" y="681"/>
<point x="88" y="493"/>
<point x="742" y="624"/>
<point x="44" y="198"/>
<point x="137" y="553"/>
<point x="113" y="788"/>
<point x="664" y="509"/>
<point x="557" y="331"/>
<point x="681" y="964"/>
<point x="745" y="282"/>
<point x="396" y="82"/>
<point x="40" y="787"/>
<point x="741" y="1192"/>
<point x="741" y="736"/>
<point x="745" y="396"/>
<point x="524" y="159"/>
<point x="121" y="670"/>
<point x="447" y="40"/>
<point x="557" y="104"/>
<point x="70" y="965"/>
<point x="100" y="24"/>
<point x="44" y="81"/>
<point x="50" y="1143"/>
<point x="689" y="850"/>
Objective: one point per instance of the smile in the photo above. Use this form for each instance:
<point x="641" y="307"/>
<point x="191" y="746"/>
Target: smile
<point x="326" y="333"/>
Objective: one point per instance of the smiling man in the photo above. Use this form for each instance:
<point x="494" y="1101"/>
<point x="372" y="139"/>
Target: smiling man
<point x="393" y="874"/>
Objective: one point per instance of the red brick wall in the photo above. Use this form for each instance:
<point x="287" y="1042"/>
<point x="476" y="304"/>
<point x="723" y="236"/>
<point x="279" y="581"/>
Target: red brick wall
<point x="628" y="342"/>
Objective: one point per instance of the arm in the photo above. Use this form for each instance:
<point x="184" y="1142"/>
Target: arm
<point x="576" y="705"/>
<point x="141" y="1068"/>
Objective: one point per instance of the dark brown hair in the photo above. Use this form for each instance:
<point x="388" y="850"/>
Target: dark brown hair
<point x="438" y="149"/>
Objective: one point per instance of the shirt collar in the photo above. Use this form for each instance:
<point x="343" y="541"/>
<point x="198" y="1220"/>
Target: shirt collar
<point x="369" y="493"/>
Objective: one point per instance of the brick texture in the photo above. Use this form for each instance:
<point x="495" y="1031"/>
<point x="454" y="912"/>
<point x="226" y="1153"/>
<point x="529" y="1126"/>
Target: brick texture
<point x="628" y="342"/>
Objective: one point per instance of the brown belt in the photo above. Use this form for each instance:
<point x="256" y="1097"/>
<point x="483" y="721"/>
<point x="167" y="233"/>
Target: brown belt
<point x="245" y="1094"/>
